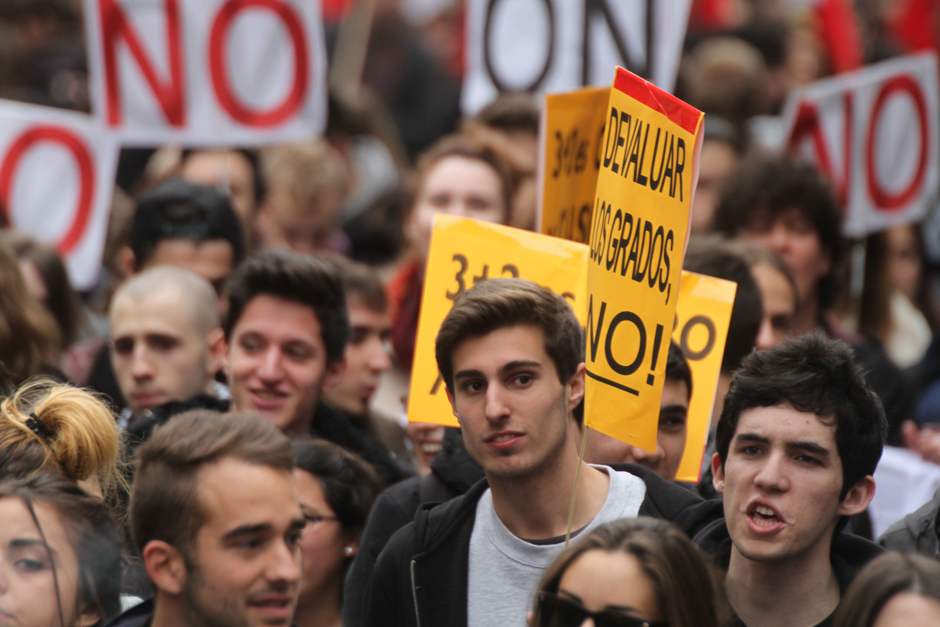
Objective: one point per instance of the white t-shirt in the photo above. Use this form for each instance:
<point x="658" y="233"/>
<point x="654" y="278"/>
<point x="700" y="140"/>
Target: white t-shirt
<point x="504" y="569"/>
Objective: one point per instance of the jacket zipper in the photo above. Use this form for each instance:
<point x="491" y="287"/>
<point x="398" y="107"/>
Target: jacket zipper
<point x="414" y="593"/>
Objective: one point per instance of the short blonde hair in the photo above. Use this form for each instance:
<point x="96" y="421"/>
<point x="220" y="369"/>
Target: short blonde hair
<point x="73" y="434"/>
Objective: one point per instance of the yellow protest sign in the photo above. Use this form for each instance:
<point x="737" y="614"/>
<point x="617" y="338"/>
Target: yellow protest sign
<point x="702" y="317"/>
<point x="638" y="237"/>
<point x="571" y="140"/>
<point x="464" y="252"/>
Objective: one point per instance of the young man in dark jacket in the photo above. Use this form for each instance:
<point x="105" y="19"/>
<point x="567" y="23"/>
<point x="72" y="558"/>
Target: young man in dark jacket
<point x="286" y="331"/>
<point x="797" y="442"/>
<point x="511" y="355"/>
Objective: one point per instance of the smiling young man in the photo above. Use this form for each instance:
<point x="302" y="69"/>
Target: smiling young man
<point x="287" y="329"/>
<point x="511" y="355"/>
<point x="216" y="555"/>
<point x="798" y="440"/>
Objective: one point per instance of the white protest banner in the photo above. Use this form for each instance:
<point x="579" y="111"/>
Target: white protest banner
<point x="57" y="172"/>
<point x="555" y="46"/>
<point x="207" y="72"/>
<point x="875" y="134"/>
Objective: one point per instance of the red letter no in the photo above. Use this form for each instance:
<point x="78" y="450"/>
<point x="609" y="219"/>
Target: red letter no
<point x="86" y="173"/>
<point x="169" y="95"/>
<point x="217" y="65"/>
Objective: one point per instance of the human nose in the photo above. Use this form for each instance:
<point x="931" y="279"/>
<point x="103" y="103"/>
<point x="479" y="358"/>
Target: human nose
<point x="141" y="365"/>
<point x="645" y="457"/>
<point x="778" y="238"/>
<point x="285" y="564"/>
<point x="270" y="368"/>
<point x="765" y="336"/>
<point x="772" y="474"/>
<point x="379" y="358"/>
<point x="495" y="407"/>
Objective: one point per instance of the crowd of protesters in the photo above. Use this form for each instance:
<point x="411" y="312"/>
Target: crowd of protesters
<point x="216" y="433"/>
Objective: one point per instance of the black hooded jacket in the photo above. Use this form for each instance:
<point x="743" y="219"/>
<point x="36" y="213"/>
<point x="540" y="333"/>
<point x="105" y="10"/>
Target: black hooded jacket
<point x="421" y="576"/>
<point x="848" y="555"/>
<point x="453" y="472"/>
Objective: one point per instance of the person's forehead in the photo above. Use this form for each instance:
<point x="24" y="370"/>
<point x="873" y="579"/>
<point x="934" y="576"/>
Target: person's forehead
<point x="501" y="346"/>
<point x="265" y="495"/>
<point x="211" y="259"/>
<point x="163" y="312"/>
<point x="784" y="424"/>
<point x="675" y="392"/>
<point x="361" y="315"/>
<point x="16" y="523"/>
<point x="279" y="319"/>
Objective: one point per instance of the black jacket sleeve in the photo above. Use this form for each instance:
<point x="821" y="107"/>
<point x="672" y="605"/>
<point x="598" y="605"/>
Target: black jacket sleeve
<point x="388" y="598"/>
<point x="394" y="509"/>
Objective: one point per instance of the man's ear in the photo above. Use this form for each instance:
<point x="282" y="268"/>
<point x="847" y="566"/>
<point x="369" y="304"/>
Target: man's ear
<point x="215" y="340"/>
<point x="858" y="497"/>
<point x="126" y="262"/>
<point x="576" y="386"/>
<point x="165" y="567"/>
<point x="718" y="474"/>
<point x="334" y="373"/>
<point x="453" y="403"/>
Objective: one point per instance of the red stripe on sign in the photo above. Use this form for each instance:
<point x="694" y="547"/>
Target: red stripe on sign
<point x="86" y="171"/>
<point x="680" y="113"/>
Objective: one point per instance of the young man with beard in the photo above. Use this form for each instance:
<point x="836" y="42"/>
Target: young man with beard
<point x="216" y="555"/>
<point x="797" y="443"/>
<point x="512" y="357"/>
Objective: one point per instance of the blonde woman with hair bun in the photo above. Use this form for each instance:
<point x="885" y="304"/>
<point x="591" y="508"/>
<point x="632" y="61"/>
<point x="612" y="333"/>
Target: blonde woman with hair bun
<point x="55" y="427"/>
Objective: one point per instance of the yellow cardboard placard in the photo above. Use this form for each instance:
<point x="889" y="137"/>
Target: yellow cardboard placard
<point x="464" y="252"/>
<point x="702" y="317"/>
<point x="639" y="230"/>
<point x="571" y="140"/>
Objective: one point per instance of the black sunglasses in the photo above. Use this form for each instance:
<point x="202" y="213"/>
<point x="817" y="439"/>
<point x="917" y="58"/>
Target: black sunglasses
<point x="557" y="611"/>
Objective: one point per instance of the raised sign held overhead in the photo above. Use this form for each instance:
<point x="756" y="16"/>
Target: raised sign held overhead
<point x="874" y="132"/>
<point x="560" y="45"/>
<point x="640" y="226"/>
<point x="206" y="72"/>
<point x="56" y="177"/>
<point x="570" y="159"/>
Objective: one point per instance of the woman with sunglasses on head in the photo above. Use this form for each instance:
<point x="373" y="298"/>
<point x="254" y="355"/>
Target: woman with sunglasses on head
<point x="336" y="491"/>
<point x="60" y="555"/>
<point x="630" y="573"/>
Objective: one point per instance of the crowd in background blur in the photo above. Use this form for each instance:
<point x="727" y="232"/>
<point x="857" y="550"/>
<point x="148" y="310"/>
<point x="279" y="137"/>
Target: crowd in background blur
<point x="195" y="234"/>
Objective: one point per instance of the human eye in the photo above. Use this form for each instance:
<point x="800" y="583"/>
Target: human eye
<point x="439" y="200"/>
<point x="123" y="346"/>
<point x="751" y="449"/>
<point x="523" y="380"/>
<point x="809" y="460"/>
<point x="162" y="343"/>
<point x="358" y="335"/>
<point x="292" y="539"/>
<point x="298" y="352"/>
<point x="472" y="386"/>
<point x="250" y="343"/>
<point x="671" y="424"/>
<point x="30" y="565"/>
<point x="251" y="543"/>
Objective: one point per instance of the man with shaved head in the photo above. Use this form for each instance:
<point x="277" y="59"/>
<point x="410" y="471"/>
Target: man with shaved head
<point x="166" y="340"/>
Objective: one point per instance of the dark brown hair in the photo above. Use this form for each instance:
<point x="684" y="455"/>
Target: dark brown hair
<point x="686" y="586"/>
<point x="163" y="503"/>
<point x="501" y="303"/>
<point x="880" y="581"/>
<point x="298" y="278"/>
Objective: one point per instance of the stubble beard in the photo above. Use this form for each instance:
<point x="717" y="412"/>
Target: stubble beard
<point x="544" y="463"/>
